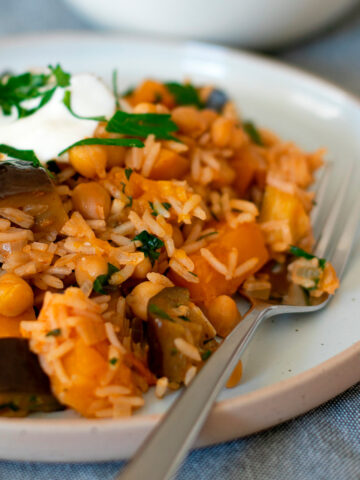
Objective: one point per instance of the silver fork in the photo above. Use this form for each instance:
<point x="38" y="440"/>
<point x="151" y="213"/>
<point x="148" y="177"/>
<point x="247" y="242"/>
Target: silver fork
<point x="164" y="449"/>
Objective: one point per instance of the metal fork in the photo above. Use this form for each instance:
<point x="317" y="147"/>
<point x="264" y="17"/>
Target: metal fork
<point x="164" y="449"/>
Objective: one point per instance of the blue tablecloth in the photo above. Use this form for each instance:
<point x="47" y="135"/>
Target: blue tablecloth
<point x="321" y="445"/>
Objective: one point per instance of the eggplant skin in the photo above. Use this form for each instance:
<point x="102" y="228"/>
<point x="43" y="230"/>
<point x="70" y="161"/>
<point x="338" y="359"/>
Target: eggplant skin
<point x="24" y="387"/>
<point x="18" y="177"/>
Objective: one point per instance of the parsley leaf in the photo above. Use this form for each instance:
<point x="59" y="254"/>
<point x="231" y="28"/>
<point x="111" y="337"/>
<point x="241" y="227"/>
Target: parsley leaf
<point x="128" y="172"/>
<point x="128" y="92"/>
<point x="206" y="355"/>
<point x="118" y="142"/>
<point x="185" y="318"/>
<point x="52" y="166"/>
<point x="154" y="212"/>
<point x="299" y="252"/>
<point x="143" y="124"/>
<point x="253" y="133"/>
<point x="166" y="205"/>
<point x="62" y="77"/>
<point x="24" y="155"/>
<point x="10" y="406"/>
<point x="113" y="361"/>
<point x="115" y="87"/>
<point x="150" y="245"/>
<point x="155" y="310"/>
<point x="207" y="235"/>
<point x="67" y="103"/>
<point x="185" y="94"/>
<point x="54" y="333"/>
<point x="102" y="281"/>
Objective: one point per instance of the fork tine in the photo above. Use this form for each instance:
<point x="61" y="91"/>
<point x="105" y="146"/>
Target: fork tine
<point x="343" y="248"/>
<point x="329" y="228"/>
<point x="320" y="193"/>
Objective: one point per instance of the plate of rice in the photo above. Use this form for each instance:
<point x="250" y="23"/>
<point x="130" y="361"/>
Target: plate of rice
<point x="144" y="186"/>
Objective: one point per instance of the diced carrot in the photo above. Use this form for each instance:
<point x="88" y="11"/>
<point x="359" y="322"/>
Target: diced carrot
<point x="249" y="241"/>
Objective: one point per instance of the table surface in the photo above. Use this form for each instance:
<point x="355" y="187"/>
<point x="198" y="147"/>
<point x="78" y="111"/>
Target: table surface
<point x="323" y="444"/>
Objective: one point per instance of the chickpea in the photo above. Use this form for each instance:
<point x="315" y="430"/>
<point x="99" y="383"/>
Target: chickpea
<point x="115" y="156"/>
<point x="16" y="295"/>
<point x="221" y="131"/>
<point x="89" y="160"/>
<point x="89" y="268"/>
<point x="139" y="298"/>
<point x="142" y="269"/>
<point x="92" y="201"/>
<point x="189" y="120"/>
<point x="223" y="314"/>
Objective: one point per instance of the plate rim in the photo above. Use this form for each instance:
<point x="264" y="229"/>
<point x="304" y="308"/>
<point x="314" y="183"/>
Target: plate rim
<point x="346" y="361"/>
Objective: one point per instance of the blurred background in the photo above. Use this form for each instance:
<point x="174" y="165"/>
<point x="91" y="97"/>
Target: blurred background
<point x="322" y="36"/>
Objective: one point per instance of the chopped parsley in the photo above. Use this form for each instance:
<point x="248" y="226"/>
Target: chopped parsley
<point x="128" y="92"/>
<point x="16" y="89"/>
<point x="299" y="252"/>
<point x="150" y="245"/>
<point x="253" y="133"/>
<point x="101" y="283"/>
<point x="113" y="361"/>
<point x="118" y="142"/>
<point x="10" y="406"/>
<point x="115" y="87"/>
<point x="128" y="172"/>
<point x="143" y="124"/>
<point x="158" y="97"/>
<point x="129" y="204"/>
<point x="166" y="205"/>
<point x="154" y="212"/>
<point x="207" y="235"/>
<point x="193" y="274"/>
<point x="185" y="318"/>
<point x="159" y="312"/>
<point x="206" y="355"/>
<point x="67" y="103"/>
<point x="173" y="351"/>
<point x="24" y="155"/>
<point x="185" y="94"/>
<point x="54" y="333"/>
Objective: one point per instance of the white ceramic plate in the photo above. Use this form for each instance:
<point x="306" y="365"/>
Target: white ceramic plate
<point x="293" y="364"/>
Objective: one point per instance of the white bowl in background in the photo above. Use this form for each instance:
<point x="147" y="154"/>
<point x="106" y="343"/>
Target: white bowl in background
<point x="251" y="23"/>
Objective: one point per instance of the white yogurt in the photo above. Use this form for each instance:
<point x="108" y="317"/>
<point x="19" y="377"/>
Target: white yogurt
<point x="53" y="128"/>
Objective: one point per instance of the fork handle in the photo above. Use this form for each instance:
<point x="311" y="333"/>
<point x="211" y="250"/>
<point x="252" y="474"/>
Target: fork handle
<point x="167" y="445"/>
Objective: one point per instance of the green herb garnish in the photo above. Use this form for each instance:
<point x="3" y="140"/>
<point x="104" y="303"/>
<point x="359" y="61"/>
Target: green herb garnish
<point x="115" y="87"/>
<point x="193" y="274"/>
<point x="24" y="155"/>
<point x="101" y="282"/>
<point x="154" y="212"/>
<point x="67" y="103"/>
<point x="207" y="235"/>
<point x="185" y="318"/>
<point x="158" y="97"/>
<point x="155" y="310"/>
<point x="173" y="351"/>
<point x="118" y="142"/>
<point x="166" y="205"/>
<point x="62" y="78"/>
<point x="299" y="252"/>
<point x="143" y="124"/>
<point x="128" y="92"/>
<point x="206" y="355"/>
<point x="10" y="406"/>
<point x="185" y="94"/>
<point x="15" y="89"/>
<point x="253" y="133"/>
<point x="150" y="245"/>
<point x="54" y="333"/>
<point x="128" y="172"/>
<point x="113" y="361"/>
<point x="129" y="204"/>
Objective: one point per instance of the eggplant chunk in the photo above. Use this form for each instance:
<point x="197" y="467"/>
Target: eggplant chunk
<point x="24" y="387"/>
<point x="29" y="188"/>
<point x="171" y="315"/>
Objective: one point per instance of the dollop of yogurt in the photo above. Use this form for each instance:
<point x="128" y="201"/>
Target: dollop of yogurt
<point x="53" y="128"/>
